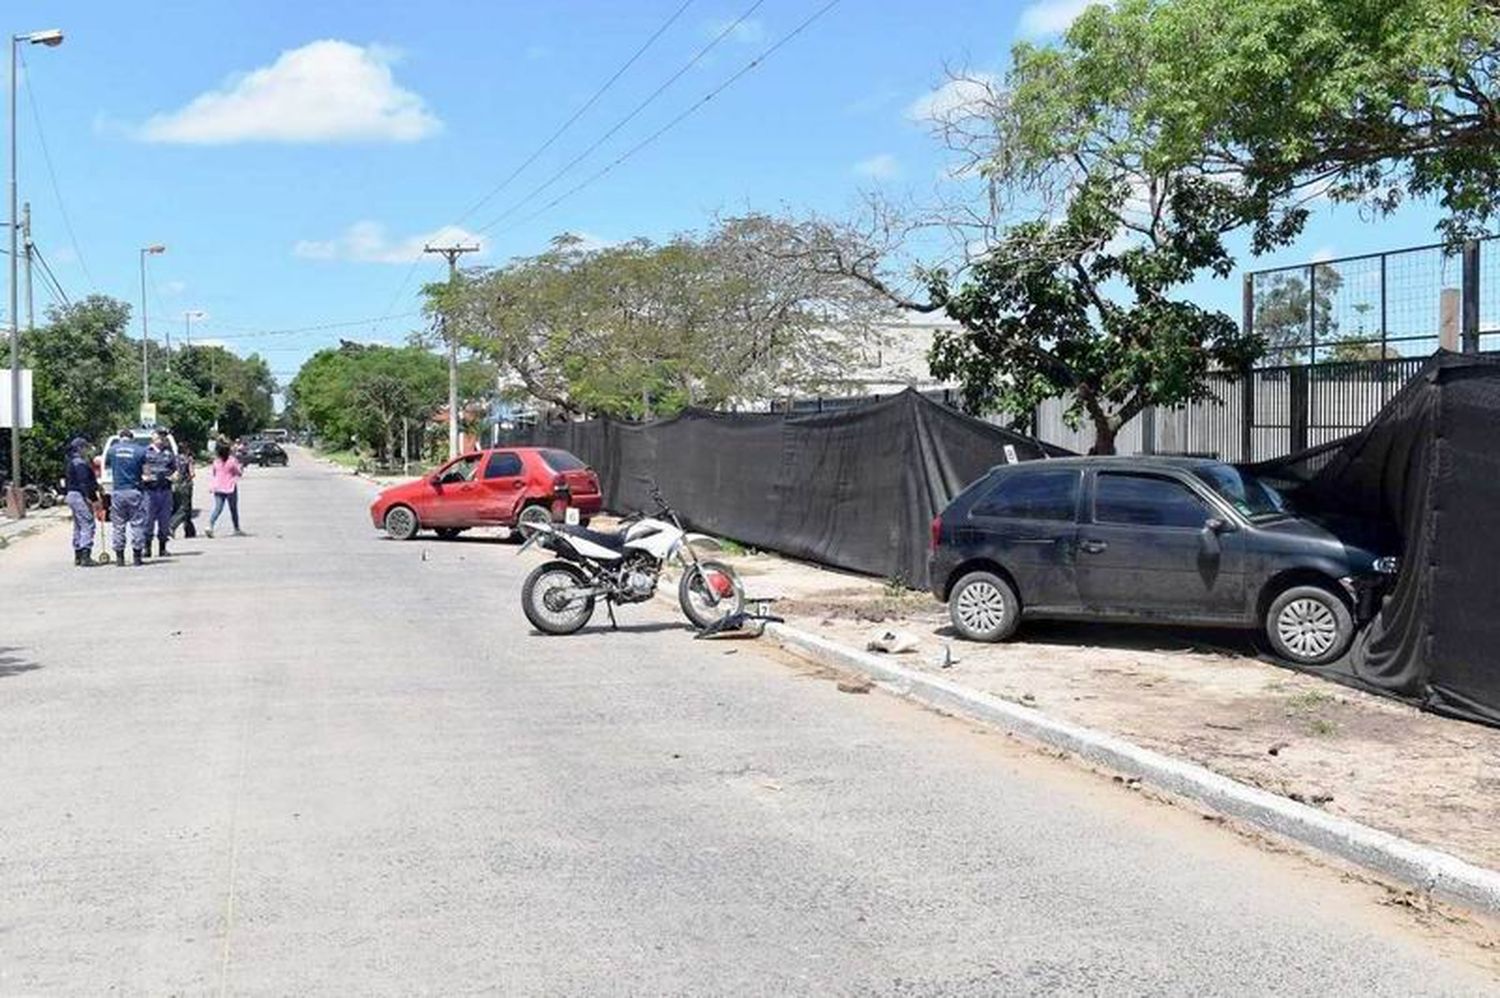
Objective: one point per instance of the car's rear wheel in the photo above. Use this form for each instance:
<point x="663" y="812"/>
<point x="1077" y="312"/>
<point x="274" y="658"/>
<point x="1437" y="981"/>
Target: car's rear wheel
<point x="1309" y="625"/>
<point x="532" y="517"/>
<point x="401" y="523"/>
<point x="984" y="607"/>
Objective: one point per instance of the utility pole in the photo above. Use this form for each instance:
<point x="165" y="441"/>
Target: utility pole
<point x="27" y="244"/>
<point x="451" y="253"/>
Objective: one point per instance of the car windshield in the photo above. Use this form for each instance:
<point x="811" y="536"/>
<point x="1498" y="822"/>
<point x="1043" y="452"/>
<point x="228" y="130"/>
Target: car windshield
<point x="1254" y="498"/>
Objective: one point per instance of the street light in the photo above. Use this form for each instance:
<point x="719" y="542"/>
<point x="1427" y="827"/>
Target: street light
<point x="187" y="325"/>
<point x="51" y="38"/>
<point x="145" y="330"/>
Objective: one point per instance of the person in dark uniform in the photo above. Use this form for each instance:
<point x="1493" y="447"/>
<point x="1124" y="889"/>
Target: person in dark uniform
<point x="83" y="493"/>
<point x="127" y="506"/>
<point x="158" y="474"/>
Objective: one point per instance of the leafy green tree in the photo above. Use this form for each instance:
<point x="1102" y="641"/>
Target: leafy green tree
<point x="359" y="393"/>
<point x="81" y="382"/>
<point x="638" y="329"/>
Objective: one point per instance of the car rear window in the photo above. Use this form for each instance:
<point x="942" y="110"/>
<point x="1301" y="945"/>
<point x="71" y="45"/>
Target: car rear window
<point x="561" y="460"/>
<point x="1031" y="495"/>
<point x="1146" y="501"/>
<point x="502" y="464"/>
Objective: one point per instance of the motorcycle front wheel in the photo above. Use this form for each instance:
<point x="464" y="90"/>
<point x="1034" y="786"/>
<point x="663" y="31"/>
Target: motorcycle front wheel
<point x="709" y="592"/>
<point x="547" y="605"/>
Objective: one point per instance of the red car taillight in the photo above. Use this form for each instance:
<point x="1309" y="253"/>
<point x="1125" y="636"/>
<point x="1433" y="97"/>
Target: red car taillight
<point x="560" y="486"/>
<point x="937" y="531"/>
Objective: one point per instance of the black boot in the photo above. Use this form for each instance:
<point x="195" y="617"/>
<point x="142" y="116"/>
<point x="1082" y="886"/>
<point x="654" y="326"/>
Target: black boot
<point x="161" y="548"/>
<point x="137" y="557"/>
<point x="78" y="557"/>
<point x="146" y="551"/>
<point x="120" y="557"/>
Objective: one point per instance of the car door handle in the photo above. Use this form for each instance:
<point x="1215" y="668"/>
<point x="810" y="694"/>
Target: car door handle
<point x="1037" y="540"/>
<point x="1093" y="547"/>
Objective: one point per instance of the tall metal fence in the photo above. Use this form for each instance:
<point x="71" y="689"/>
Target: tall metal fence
<point x="1343" y="336"/>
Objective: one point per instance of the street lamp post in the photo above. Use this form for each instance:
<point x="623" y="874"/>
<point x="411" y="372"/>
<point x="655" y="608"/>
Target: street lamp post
<point x="145" y="330"/>
<point x="187" y="325"/>
<point x="51" y="38"/>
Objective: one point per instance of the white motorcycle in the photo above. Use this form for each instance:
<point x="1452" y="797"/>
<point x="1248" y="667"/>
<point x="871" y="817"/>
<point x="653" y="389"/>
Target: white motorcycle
<point x="624" y="567"/>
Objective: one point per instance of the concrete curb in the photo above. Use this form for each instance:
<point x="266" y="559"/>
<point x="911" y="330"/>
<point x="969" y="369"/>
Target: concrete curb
<point x="1391" y="857"/>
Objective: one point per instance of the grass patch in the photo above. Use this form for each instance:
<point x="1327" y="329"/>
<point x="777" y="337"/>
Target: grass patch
<point x="1321" y="726"/>
<point x="1308" y="700"/>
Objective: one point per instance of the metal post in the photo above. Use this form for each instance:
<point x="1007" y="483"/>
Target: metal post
<point x="17" y="503"/>
<point x="1470" y="297"/>
<point x="26" y="243"/>
<point x="145" y="338"/>
<point x="452" y="253"/>
<point x="1247" y="376"/>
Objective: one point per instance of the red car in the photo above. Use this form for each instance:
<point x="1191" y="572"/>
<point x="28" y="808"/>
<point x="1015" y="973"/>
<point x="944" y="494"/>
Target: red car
<point x="502" y="487"/>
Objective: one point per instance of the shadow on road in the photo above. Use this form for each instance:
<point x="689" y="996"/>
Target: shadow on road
<point x="14" y="665"/>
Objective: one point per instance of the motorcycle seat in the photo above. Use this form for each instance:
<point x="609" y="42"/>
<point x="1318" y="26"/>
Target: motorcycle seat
<point x="615" y="542"/>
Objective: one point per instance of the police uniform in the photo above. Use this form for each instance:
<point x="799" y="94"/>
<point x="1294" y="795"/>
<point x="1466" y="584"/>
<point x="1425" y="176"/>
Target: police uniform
<point x="127" y="505"/>
<point x="182" y="497"/>
<point x="157" y="469"/>
<point x="83" y="492"/>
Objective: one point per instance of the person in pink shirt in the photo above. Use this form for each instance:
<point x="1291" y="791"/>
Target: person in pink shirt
<point x="225" y="485"/>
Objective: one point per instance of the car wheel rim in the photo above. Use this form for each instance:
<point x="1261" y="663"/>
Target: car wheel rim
<point x="1308" y="627"/>
<point x="981" y="607"/>
<point x="399" y="521"/>
<point x="531" y="517"/>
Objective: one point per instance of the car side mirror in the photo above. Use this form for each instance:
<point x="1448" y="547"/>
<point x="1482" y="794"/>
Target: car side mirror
<point x="435" y="478"/>
<point x="1214" y="525"/>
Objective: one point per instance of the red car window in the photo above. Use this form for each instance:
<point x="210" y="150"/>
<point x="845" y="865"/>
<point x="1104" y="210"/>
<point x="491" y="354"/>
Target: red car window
<point x="502" y="464"/>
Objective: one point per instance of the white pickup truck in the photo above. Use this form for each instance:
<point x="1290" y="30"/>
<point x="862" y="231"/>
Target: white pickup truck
<point x="141" y="435"/>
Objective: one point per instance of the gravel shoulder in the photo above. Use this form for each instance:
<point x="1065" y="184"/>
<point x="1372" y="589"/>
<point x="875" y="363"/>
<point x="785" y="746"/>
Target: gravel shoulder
<point x="1206" y="695"/>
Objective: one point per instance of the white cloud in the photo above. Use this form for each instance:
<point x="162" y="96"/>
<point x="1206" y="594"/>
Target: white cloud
<point x="952" y="97"/>
<point x="64" y="254"/>
<point x="325" y="91"/>
<point x="746" y="32"/>
<point x="1324" y="254"/>
<point x="367" y="242"/>
<point x="1051" y="17"/>
<point x="882" y="166"/>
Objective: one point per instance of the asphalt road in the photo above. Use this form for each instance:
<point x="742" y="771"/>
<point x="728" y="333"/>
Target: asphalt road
<point x="314" y="761"/>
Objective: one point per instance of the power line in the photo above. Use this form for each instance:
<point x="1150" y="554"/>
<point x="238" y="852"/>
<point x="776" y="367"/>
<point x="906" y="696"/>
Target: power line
<point x="62" y="208"/>
<point x="250" y="333"/>
<point x="671" y="19"/>
<point x="689" y="110"/>
<point x="48" y="275"/>
<point x="650" y="99"/>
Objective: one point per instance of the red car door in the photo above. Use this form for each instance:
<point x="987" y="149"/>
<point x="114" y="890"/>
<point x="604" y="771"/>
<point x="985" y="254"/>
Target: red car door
<point x="502" y="489"/>
<point x="454" y="501"/>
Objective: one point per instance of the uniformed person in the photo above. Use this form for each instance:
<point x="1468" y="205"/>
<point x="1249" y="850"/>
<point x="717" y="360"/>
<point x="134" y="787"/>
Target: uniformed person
<point x="83" y="493"/>
<point x="182" y="495"/>
<point x="127" y="506"/>
<point x="158" y="475"/>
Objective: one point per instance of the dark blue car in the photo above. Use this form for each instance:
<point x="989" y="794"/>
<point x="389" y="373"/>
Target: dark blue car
<point x="1167" y="540"/>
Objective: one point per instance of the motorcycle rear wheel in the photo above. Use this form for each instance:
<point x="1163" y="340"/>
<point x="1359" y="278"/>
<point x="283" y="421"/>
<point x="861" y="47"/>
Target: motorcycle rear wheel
<point x="555" y="616"/>
<point x="701" y="593"/>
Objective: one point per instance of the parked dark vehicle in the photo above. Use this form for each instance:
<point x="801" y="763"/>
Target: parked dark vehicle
<point x="1167" y="540"/>
<point x="266" y="453"/>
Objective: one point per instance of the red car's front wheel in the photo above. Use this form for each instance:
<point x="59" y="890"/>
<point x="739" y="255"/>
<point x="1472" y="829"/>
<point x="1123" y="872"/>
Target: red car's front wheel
<point x="401" y="523"/>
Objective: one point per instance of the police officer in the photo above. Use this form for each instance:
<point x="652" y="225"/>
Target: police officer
<point x="158" y="473"/>
<point x="127" y="507"/>
<point x="83" y="493"/>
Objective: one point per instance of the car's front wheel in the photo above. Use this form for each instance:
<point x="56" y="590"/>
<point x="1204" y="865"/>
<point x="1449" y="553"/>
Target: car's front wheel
<point x="401" y="523"/>
<point x="1309" y="625"/>
<point x="984" y="607"/>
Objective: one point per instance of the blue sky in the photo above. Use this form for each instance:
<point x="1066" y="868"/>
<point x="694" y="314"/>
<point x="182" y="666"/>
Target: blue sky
<point x="292" y="156"/>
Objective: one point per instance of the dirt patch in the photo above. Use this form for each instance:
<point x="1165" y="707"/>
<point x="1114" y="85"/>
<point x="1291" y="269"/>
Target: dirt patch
<point x="1204" y="695"/>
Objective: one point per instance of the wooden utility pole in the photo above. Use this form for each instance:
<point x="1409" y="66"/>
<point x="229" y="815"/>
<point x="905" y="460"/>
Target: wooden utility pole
<point x="452" y="253"/>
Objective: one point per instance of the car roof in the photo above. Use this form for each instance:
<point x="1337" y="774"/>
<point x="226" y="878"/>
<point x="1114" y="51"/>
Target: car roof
<point x="1140" y="461"/>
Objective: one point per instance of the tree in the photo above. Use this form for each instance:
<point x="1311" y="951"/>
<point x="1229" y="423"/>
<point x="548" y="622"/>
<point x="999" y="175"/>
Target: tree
<point x="1283" y="308"/>
<point x="1372" y="101"/>
<point x="638" y="330"/>
<point x="361" y="393"/>
<point x="82" y="381"/>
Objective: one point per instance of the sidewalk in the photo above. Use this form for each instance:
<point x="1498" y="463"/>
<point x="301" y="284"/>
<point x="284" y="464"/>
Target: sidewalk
<point x="36" y="520"/>
<point x="1200" y="696"/>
